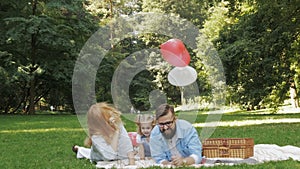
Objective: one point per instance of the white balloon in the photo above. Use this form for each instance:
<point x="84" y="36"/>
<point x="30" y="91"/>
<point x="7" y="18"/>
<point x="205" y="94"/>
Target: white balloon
<point x="182" y="76"/>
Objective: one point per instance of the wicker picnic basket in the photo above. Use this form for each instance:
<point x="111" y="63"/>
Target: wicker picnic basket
<point x="228" y="147"/>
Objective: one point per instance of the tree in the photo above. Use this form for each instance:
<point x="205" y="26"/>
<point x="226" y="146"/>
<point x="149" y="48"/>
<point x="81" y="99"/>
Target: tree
<point x="42" y="39"/>
<point x="254" y="52"/>
<point x="193" y="10"/>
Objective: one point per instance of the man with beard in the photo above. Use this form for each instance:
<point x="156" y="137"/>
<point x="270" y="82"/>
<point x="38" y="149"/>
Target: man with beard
<point x="174" y="141"/>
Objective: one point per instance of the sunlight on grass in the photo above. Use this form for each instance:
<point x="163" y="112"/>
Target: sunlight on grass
<point x="247" y="122"/>
<point x="41" y="130"/>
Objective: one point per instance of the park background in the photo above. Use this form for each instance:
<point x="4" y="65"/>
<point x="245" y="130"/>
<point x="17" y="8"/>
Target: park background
<point x="257" y="42"/>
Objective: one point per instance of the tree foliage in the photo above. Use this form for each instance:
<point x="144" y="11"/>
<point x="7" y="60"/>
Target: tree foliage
<point x="254" y="52"/>
<point x="39" y="45"/>
<point x="257" y="41"/>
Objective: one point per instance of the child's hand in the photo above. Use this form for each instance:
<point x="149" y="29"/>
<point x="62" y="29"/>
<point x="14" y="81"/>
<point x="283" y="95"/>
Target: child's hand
<point x="131" y="158"/>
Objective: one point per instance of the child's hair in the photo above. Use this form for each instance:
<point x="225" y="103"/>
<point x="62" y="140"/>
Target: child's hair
<point x="144" y="118"/>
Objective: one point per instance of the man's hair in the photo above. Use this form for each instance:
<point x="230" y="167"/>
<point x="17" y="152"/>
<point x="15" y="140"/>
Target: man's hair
<point x="163" y="110"/>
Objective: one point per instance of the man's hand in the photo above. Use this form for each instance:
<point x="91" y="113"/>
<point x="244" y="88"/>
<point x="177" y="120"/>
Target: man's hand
<point x="165" y="162"/>
<point x="178" y="161"/>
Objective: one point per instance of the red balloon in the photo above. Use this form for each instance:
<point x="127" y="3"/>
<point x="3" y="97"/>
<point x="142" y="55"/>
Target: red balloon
<point x="175" y="53"/>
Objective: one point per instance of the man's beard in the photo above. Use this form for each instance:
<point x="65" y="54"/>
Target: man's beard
<point x="170" y="134"/>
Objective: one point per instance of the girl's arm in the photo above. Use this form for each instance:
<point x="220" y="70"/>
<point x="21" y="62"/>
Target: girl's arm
<point x="141" y="152"/>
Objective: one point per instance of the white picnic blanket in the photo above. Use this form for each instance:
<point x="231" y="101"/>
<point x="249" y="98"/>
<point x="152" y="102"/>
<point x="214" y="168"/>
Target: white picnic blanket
<point x="273" y="152"/>
<point x="262" y="153"/>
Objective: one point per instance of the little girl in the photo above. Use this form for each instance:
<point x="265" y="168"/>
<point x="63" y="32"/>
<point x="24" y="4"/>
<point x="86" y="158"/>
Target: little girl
<point x="145" y="124"/>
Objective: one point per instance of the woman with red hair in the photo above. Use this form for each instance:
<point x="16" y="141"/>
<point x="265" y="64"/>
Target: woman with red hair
<point x="108" y="139"/>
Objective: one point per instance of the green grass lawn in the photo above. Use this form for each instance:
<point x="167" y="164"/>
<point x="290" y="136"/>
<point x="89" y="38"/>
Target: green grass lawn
<point x="45" y="141"/>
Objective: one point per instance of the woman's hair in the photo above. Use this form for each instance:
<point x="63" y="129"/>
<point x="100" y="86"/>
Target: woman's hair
<point x="144" y="118"/>
<point x="103" y="119"/>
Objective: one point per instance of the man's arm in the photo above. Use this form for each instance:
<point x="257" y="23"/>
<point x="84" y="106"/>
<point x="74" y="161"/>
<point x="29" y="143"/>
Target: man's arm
<point x="195" y="146"/>
<point x="157" y="148"/>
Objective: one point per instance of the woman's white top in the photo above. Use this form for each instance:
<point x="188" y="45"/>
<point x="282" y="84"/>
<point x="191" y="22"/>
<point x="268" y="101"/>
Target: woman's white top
<point x="101" y="151"/>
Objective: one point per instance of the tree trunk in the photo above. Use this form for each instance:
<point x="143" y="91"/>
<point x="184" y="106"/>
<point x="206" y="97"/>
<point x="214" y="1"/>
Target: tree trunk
<point x="111" y="26"/>
<point x="293" y="95"/>
<point x="182" y="95"/>
<point x="31" y="109"/>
